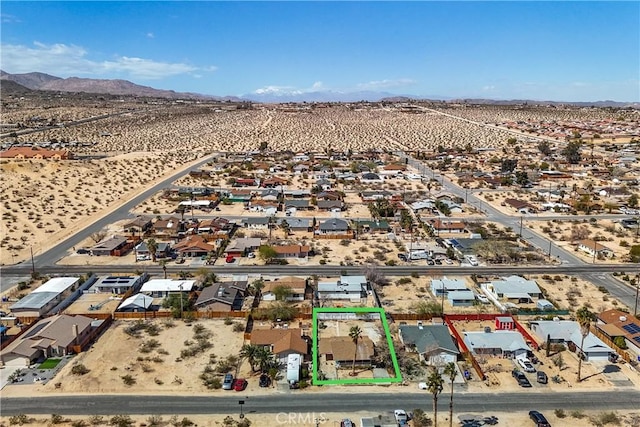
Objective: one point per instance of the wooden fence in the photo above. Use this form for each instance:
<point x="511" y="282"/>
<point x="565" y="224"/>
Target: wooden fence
<point x="93" y="335"/>
<point x="608" y="341"/>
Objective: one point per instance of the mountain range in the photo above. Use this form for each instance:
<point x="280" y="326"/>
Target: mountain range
<point x="23" y="83"/>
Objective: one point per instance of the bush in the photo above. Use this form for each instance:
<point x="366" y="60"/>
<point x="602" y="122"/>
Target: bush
<point x="560" y="413"/>
<point x="128" y="380"/>
<point x="237" y="327"/>
<point x="79" y="369"/>
<point x="605" y="418"/>
<point x="96" y="420"/>
<point x="19" y="419"/>
<point x="228" y="320"/>
<point x="79" y="423"/>
<point x="121" y="421"/>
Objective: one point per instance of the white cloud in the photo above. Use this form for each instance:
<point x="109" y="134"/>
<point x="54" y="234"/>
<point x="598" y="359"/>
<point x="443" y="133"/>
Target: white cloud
<point x="9" y="19"/>
<point x="71" y="60"/>
<point x="150" y="35"/>
<point x="488" y="88"/>
<point x="278" y="90"/>
<point x="385" y="84"/>
<point x="317" y="86"/>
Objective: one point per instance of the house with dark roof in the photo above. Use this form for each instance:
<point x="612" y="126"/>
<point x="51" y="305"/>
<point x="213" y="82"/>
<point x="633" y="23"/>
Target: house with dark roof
<point x="615" y="323"/>
<point x="281" y="342"/>
<point x="220" y="297"/>
<point x="330" y="205"/>
<point x="138" y="226"/>
<point x="333" y="226"/>
<point x="256" y="222"/>
<point x="433" y="343"/>
<point x="113" y="246"/>
<point x="299" y="224"/>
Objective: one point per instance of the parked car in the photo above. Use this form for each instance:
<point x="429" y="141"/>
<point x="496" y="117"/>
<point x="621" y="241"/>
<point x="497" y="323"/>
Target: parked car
<point x="526" y="365"/>
<point x="522" y="379"/>
<point x="347" y="423"/>
<point x="82" y="251"/>
<point x="401" y="417"/>
<point x="422" y="386"/>
<point x="227" y="384"/>
<point x="251" y="255"/>
<point x="542" y="377"/>
<point x="264" y="381"/>
<point x="240" y="384"/>
<point x="448" y="261"/>
<point x="180" y="260"/>
<point x="539" y="419"/>
<point x="402" y="257"/>
<point x="230" y="259"/>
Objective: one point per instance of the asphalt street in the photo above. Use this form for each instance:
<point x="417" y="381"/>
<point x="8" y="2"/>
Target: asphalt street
<point x="313" y="402"/>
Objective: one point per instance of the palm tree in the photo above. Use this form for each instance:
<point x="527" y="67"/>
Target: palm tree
<point x="163" y="264"/>
<point x="355" y="333"/>
<point x="250" y="352"/>
<point x="263" y="357"/>
<point x="451" y="371"/>
<point x="152" y="245"/>
<point x="434" y="385"/>
<point x="584" y="317"/>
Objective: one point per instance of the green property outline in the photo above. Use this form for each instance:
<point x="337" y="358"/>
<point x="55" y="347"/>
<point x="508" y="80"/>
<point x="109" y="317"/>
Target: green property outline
<point x="346" y="381"/>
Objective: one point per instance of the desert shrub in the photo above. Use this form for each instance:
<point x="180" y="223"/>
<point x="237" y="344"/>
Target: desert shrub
<point x="149" y="345"/>
<point x="79" y="369"/>
<point x="605" y="418"/>
<point x="79" y="423"/>
<point x="577" y="414"/>
<point x="96" y="420"/>
<point x="121" y="421"/>
<point x="57" y="419"/>
<point x="19" y="419"/>
<point x="560" y="413"/>
<point x="228" y="320"/>
<point x="128" y="380"/>
<point x="403" y="280"/>
<point x="154" y="420"/>
<point x="237" y="327"/>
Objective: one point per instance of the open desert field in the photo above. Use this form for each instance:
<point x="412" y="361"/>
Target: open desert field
<point x="47" y="201"/>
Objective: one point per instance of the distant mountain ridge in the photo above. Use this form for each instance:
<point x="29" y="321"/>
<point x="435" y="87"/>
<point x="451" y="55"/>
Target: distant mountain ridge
<point x="43" y="81"/>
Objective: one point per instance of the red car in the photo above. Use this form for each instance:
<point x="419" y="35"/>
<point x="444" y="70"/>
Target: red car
<point x="240" y="384"/>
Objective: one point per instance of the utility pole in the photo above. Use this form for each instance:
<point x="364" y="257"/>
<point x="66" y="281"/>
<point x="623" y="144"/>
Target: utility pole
<point x="33" y="265"/>
<point x="521" y="226"/>
<point x="549" y="248"/>
<point x="635" y="309"/>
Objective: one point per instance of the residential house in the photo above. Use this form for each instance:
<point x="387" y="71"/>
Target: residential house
<point x="433" y="343"/>
<point x="569" y="331"/>
<point x="256" y="223"/>
<point x="246" y="182"/>
<point x="445" y="285"/>
<point x="373" y="195"/>
<point x="328" y="195"/>
<point x="292" y="251"/>
<point x="439" y="226"/>
<point x="194" y="247"/>
<point x="138" y="226"/>
<point x="520" y="206"/>
<point x="274" y="182"/>
<point x="281" y="342"/>
<point x="225" y="296"/>
<point x="509" y="344"/>
<point x="143" y="253"/>
<point x="168" y="227"/>
<point x="53" y="336"/>
<point x="615" y="323"/>
<point x="113" y="246"/>
<point x="239" y="196"/>
<point x="160" y="288"/>
<point x="296" y="285"/>
<point x="373" y="227"/>
<point x="342" y="351"/>
<point x="299" y="224"/>
<point x="595" y="249"/>
<point x="241" y="246"/>
<point x="330" y="205"/>
<point x="352" y="288"/>
<point x="334" y="226"/>
<point x="117" y="285"/>
<point x="514" y="288"/>
<point x="270" y="194"/>
<point x="297" y="204"/>
<point x="371" y="178"/>
<point x="136" y="303"/>
<point x="46" y="297"/>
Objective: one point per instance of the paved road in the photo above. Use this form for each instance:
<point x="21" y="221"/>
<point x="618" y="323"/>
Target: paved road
<point x="314" y="402"/>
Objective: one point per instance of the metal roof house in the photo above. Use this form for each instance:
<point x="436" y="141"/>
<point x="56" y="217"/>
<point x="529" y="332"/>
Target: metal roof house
<point x="497" y="343"/>
<point x="41" y="300"/>
<point x="347" y="287"/>
<point x="515" y="288"/>
<point x="565" y="331"/>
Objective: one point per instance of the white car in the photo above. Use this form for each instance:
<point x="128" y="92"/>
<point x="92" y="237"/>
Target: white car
<point x="526" y="365"/>
<point x="422" y="386"/>
<point x="482" y="298"/>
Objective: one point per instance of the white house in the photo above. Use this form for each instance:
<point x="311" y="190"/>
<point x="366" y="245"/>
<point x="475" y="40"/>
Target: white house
<point x="433" y="343"/>
<point x="497" y="343"/>
<point x="346" y="288"/>
<point x="565" y="331"/>
<point x="163" y="287"/>
<point x="514" y="288"/>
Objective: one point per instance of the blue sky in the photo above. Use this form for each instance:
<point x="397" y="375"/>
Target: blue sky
<point x="564" y="51"/>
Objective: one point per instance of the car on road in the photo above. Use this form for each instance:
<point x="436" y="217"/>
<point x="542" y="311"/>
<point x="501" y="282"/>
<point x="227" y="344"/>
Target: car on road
<point x="264" y="381"/>
<point x="526" y="365"/>
<point x="402" y="257"/>
<point x="227" y="384"/>
<point x="541" y="377"/>
<point x="240" y="384"/>
<point x="401" y="417"/>
<point x="522" y="379"/>
<point x="539" y="419"/>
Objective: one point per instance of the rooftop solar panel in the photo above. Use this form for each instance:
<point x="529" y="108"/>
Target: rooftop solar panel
<point x="637" y="339"/>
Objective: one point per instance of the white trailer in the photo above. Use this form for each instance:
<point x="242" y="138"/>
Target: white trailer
<point x="293" y="368"/>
